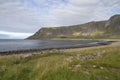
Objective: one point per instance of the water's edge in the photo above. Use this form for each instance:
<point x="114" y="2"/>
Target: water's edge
<point x="70" y="47"/>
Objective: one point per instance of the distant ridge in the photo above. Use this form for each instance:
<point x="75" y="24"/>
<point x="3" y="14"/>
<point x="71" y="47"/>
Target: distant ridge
<point x="99" y="29"/>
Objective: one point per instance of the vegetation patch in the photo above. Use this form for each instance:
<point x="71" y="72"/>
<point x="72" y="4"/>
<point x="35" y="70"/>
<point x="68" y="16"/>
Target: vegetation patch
<point x="87" y="64"/>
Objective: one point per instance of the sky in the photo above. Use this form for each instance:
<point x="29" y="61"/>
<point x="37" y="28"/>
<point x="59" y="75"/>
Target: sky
<point x="22" y="18"/>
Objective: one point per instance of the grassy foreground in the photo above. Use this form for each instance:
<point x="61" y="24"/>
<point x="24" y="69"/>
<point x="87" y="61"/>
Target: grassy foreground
<point x="101" y="63"/>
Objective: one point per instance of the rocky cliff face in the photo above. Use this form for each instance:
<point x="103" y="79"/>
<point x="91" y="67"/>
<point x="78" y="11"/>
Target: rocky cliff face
<point x="101" y="29"/>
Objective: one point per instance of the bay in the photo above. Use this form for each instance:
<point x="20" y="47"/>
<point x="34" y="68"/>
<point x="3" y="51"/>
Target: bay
<point x="18" y="45"/>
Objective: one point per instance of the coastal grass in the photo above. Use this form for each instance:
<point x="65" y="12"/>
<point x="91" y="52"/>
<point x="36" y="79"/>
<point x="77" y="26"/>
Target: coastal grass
<point x="64" y="66"/>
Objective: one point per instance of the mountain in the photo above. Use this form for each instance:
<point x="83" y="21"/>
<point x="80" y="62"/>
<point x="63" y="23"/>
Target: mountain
<point x="96" y="29"/>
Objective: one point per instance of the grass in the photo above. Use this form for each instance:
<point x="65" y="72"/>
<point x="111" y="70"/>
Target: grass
<point x="64" y="66"/>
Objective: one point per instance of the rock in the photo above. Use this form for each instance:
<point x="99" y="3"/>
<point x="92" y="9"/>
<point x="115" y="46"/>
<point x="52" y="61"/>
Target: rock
<point x="87" y="57"/>
<point x="104" y="78"/>
<point x="86" y="72"/>
<point x="101" y="68"/>
<point x="78" y="56"/>
<point x="25" y="56"/>
<point x="94" y="66"/>
<point x="69" y="59"/>
<point x="76" y="67"/>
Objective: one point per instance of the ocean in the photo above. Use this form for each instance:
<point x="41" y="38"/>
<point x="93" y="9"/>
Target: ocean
<point x="19" y="45"/>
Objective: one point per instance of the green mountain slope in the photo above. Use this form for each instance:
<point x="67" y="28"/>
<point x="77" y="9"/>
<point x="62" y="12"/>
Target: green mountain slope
<point x="100" y="29"/>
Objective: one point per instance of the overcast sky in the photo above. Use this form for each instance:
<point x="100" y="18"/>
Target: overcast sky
<point x="21" y="18"/>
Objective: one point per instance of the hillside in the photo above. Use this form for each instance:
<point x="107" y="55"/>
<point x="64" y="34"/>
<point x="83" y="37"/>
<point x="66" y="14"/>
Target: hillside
<point x="99" y="29"/>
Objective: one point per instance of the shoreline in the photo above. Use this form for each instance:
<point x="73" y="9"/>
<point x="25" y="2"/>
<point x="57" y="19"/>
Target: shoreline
<point x="55" y="49"/>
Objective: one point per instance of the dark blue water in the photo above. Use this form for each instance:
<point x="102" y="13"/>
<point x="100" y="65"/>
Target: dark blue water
<point x="18" y="45"/>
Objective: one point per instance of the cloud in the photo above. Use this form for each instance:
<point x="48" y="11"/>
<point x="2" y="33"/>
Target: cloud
<point x="13" y="35"/>
<point x="106" y="9"/>
<point x="81" y="11"/>
<point x="84" y="2"/>
<point x="3" y="36"/>
<point x="74" y="13"/>
<point x="28" y="16"/>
